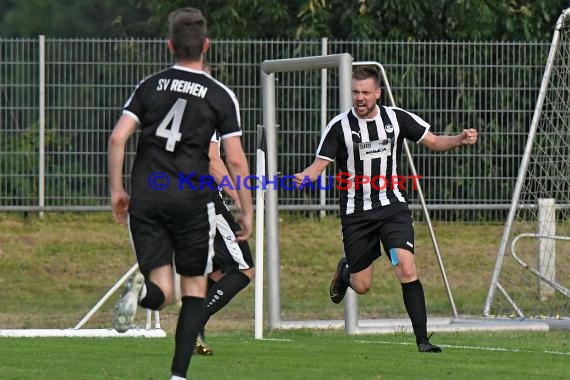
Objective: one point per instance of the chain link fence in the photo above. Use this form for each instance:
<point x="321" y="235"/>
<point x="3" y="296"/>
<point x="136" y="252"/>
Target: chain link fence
<point x="60" y="98"/>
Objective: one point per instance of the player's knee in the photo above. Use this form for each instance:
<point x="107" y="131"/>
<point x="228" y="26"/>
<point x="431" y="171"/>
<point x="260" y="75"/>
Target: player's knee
<point x="407" y="273"/>
<point x="361" y="289"/>
<point x="360" y="286"/>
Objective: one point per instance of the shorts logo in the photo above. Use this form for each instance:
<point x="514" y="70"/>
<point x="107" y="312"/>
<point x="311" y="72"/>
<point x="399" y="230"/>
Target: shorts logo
<point x="389" y="128"/>
<point x="409" y="244"/>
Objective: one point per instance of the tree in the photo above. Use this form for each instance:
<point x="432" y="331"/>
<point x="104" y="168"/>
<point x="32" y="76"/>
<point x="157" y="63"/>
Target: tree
<point x="78" y="18"/>
<point x="517" y="20"/>
<point x="441" y="20"/>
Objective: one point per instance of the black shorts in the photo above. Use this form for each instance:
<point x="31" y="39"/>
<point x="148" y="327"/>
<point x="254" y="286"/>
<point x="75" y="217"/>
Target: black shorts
<point x="162" y="232"/>
<point x="363" y="233"/>
<point x="229" y="254"/>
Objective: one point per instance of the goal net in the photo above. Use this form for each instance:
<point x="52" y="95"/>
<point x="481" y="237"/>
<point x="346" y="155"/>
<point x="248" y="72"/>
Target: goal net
<point x="532" y="271"/>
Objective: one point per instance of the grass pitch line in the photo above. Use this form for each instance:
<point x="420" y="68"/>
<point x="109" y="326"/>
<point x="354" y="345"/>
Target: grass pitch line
<point x="276" y="339"/>
<point x="551" y="352"/>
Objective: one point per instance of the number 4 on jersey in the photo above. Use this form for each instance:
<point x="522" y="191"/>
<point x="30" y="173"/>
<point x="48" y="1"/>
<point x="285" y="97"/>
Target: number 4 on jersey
<point x="173" y="134"/>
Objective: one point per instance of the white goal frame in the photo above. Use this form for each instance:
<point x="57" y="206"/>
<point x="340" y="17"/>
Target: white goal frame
<point x="507" y="242"/>
<point x="269" y="217"/>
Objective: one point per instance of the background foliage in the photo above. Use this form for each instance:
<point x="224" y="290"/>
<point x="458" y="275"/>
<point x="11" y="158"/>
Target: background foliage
<point x="516" y="20"/>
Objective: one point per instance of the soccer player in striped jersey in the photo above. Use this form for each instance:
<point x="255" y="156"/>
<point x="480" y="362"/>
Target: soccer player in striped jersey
<point x="233" y="266"/>
<point x="367" y="142"/>
<point x="169" y="211"/>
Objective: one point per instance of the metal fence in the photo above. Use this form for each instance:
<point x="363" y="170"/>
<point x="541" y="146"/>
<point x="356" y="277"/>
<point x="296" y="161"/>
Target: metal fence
<point x="60" y="98"/>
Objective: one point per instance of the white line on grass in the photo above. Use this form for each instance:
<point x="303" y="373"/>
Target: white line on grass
<point x="469" y="347"/>
<point x="277" y="340"/>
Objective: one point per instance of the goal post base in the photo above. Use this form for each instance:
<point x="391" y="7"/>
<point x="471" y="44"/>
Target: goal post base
<point x="82" y="333"/>
<point x="390" y="326"/>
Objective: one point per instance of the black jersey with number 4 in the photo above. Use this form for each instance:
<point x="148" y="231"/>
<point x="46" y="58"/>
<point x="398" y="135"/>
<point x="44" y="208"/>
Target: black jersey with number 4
<point x="370" y="149"/>
<point x="178" y="110"/>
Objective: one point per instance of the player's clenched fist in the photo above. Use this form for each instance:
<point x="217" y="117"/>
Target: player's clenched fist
<point x="469" y="136"/>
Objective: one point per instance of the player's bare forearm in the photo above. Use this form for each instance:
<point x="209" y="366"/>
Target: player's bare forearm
<point x="123" y="130"/>
<point x="116" y="159"/>
<point x="245" y="217"/>
<point x="119" y="198"/>
<point x="219" y="172"/>
<point x="445" y="143"/>
<point x="312" y="172"/>
<point x="238" y="168"/>
<point x="232" y="193"/>
<point x="241" y="170"/>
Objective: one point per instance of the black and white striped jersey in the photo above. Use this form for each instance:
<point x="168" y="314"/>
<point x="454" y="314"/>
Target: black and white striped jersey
<point x="178" y="110"/>
<point x="368" y="156"/>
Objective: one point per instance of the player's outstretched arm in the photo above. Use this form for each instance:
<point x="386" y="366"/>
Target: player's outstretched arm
<point x="311" y="173"/>
<point x="445" y="143"/>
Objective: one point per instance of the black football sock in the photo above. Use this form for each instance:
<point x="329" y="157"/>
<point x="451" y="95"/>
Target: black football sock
<point x="154" y="297"/>
<point x="189" y="324"/>
<point x="211" y="283"/>
<point x="415" y="303"/>
<point x="221" y="293"/>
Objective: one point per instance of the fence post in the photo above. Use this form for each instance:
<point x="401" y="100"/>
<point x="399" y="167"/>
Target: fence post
<point x="322" y="191"/>
<point x="42" y="123"/>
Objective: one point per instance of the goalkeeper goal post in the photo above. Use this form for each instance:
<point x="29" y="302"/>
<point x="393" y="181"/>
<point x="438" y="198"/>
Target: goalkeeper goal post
<point x="268" y="166"/>
<point x="532" y="267"/>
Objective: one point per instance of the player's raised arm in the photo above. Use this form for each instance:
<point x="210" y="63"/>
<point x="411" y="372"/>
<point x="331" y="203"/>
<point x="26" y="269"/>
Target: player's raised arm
<point x="445" y="143"/>
<point x="312" y="172"/>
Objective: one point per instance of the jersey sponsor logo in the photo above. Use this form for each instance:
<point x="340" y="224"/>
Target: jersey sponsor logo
<point x="375" y="149"/>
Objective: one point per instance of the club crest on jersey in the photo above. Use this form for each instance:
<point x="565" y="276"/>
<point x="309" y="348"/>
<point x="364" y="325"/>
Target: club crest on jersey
<point x="389" y="128"/>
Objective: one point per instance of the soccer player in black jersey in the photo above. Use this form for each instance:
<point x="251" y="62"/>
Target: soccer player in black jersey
<point x="367" y="141"/>
<point x="170" y="210"/>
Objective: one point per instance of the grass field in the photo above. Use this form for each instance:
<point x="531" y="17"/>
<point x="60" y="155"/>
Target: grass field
<point x="53" y="270"/>
<point x="311" y="355"/>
